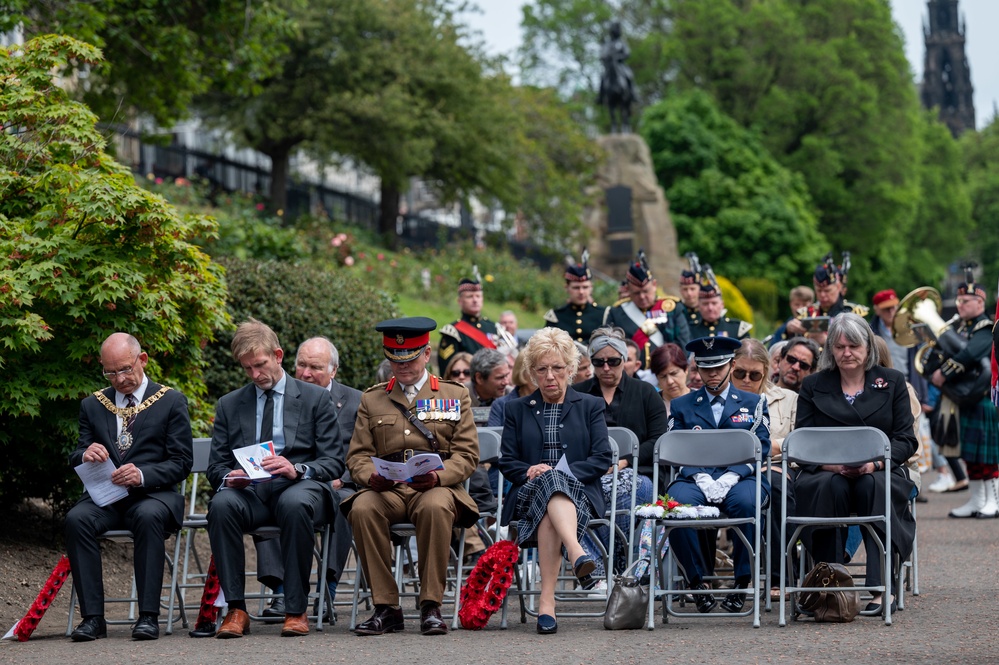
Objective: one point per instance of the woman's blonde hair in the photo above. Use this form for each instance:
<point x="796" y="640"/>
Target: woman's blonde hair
<point x="754" y="350"/>
<point x="549" y="340"/>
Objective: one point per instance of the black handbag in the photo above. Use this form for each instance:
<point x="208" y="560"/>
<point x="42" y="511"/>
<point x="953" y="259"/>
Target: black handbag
<point x="628" y="602"/>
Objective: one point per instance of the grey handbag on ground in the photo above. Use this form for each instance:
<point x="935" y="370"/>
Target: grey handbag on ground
<point x="628" y="602"/>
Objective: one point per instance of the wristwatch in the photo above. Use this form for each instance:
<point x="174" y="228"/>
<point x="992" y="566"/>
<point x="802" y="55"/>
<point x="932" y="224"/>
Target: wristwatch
<point x="303" y="471"/>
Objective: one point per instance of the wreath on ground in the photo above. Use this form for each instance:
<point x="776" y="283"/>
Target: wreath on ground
<point x="487" y="585"/>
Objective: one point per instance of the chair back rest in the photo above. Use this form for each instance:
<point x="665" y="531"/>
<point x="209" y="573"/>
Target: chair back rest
<point x="708" y="447"/>
<point x="489" y="442"/>
<point x="836" y="445"/>
<point x="202" y="451"/>
<point x="627" y="441"/>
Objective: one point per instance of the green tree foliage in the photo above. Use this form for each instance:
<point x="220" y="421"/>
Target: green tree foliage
<point x="300" y="302"/>
<point x="160" y="54"/>
<point x="981" y="159"/>
<point x="731" y="202"/>
<point x="828" y="88"/>
<point x="84" y="252"/>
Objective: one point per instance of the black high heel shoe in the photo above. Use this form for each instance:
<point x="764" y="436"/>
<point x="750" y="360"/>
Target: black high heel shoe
<point x="547" y="625"/>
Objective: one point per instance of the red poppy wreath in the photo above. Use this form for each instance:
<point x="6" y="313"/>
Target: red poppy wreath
<point x="487" y="584"/>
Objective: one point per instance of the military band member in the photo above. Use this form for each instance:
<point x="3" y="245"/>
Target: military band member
<point x="472" y="331"/>
<point x="645" y="317"/>
<point x="830" y="291"/>
<point x="710" y="319"/>
<point x="961" y="370"/>
<point x="580" y="316"/>
<point x="690" y="287"/>
<point x="414" y="412"/>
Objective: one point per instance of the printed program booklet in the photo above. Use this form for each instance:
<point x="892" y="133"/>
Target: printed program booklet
<point x="417" y="465"/>
<point x="249" y="458"/>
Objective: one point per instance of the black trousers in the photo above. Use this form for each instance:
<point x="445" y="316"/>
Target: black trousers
<point x="149" y="520"/>
<point x="298" y="508"/>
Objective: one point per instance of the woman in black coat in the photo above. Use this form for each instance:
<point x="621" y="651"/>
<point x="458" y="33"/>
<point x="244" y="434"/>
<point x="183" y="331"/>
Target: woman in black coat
<point x="554" y="451"/>
<point x="850" y="390"/>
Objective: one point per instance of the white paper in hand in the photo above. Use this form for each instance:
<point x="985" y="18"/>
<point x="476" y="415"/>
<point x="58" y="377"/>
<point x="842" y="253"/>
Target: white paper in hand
<point x="249" y="458"/>
<point x="96" y="479"/>
<point x="404" y="472"/>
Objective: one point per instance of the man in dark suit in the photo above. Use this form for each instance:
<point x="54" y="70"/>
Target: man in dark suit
<point x="717" y="405"/>
<point x="317" y="362"/>
<point x="300" y="420"/>
<point x="144" y="429"/>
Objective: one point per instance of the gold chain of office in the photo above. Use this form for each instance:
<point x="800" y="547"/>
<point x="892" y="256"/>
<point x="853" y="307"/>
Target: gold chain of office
<point x="129" y="411"/>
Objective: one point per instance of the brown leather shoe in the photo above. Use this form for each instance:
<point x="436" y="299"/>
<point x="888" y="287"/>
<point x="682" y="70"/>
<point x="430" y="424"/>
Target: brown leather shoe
<point x="236" y="624"/>
<point x="385" y="620"/>
<point x="431" y="622"/>
<point x="295" y="625"/>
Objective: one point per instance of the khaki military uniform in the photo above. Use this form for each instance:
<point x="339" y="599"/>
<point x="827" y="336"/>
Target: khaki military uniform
<point x="382" y="430"/>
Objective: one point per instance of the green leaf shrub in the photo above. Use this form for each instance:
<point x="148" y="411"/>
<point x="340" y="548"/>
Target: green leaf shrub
<point x="84" y="252"/>
<point x="300" y="302"/>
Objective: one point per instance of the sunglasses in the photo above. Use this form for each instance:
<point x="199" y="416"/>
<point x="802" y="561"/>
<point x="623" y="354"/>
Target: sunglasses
<point x="740" y="374"/>
<point x="455" y="373"/>
<point x="792" y="361"/>
<point x="600" y="362"/>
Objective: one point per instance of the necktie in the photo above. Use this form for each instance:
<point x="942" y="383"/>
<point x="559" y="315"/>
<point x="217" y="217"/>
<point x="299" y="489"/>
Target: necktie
<point x="718" y="400"/>
<point x="410" y="392"/>
<point x="127" y="423"/>
<point x="267" y="422"/>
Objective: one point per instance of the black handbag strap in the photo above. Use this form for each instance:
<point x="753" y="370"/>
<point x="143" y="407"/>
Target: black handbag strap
<point x="420" y="427"/>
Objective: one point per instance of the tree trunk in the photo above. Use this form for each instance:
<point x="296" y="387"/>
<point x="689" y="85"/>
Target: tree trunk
<point x="388" y="212"/>
<point x="279" y="155"/>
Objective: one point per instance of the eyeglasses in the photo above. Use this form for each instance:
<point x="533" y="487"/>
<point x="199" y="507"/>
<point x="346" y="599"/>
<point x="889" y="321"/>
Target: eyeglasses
<point x="600" y="362"/>
<point x="455" y="373"/>
<point x="741" y="374"/>
<point x="792" y="361"/>
<point x="557" y="370"/>
<point x="122" y="372"/>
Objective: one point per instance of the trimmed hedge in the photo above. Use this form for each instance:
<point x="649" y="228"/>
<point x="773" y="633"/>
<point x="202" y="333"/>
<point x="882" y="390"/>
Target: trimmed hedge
<point x="299" y="302"/>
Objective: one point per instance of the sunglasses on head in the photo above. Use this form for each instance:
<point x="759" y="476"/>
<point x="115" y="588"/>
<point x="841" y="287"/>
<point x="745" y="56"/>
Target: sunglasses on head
<point x="600" y="362"/>
<point x="455" y="373"/>
<point x="741" y="375"/>
<point x="791" y="360"/>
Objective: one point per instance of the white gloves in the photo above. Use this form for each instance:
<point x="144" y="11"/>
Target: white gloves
<point x="715" y="491"/>
<point x="719" y="489"/>
<point x="705" y="482"/>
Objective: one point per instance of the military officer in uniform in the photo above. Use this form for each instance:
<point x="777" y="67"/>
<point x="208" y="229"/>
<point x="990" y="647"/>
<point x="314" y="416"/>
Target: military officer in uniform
<point x="414" y="412"/>
<point x="710" y="319"/>
<point x="580" y="316"/>
<point x="830" y="289"/>
<point x="472" y="331"/>
<point x="646" y="318"/>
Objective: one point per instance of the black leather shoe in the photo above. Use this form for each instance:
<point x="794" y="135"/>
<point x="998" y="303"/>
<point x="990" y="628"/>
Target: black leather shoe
<point x="206" y="629"/>
<point x="146" y="628"/>
<point x="704" y="602"/>
<point x="329" y="614"/>
<point x="385" y="620"/>
<point x="547" y="625"/>
<point x="431" y="622"/>
<point x="275" y="610"/>
<point x="90" y="629"/>
<point x="875" y="608"/>
<point x="734" y="602"/>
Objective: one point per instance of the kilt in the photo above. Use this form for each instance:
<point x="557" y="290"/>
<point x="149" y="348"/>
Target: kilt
<point x="980" y="433"/>
<point x="532" y="504"/>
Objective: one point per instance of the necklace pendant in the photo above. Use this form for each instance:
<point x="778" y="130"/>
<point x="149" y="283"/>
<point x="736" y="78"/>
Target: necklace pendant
<point x="124" y="441"/>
